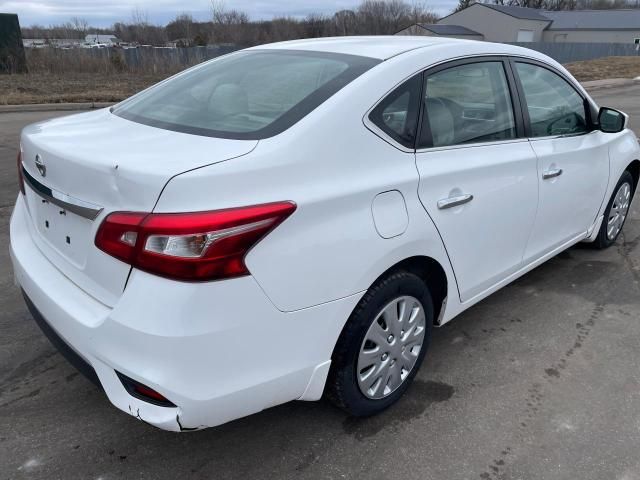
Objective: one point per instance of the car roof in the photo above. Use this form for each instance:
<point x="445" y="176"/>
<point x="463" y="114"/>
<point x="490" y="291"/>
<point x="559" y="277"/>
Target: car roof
<point x="379" y="47"/>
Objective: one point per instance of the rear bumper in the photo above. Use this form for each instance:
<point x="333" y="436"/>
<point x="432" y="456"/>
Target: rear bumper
<point x="218" y="350"/>
<point x="67" y="352"/>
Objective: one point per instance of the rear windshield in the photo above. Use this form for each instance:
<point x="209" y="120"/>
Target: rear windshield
<point x="246" y="95"/>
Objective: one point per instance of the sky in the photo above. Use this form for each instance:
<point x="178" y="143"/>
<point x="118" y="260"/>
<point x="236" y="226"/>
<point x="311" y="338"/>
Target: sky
<point x="103" y="13"/>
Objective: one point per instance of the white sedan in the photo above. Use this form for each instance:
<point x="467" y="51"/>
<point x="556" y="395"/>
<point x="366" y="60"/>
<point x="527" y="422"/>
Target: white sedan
<point x="292" y="219"/>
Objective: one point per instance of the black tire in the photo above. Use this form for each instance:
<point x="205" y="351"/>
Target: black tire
<point x="602" y="240"/>
<point x="342" y="385"/>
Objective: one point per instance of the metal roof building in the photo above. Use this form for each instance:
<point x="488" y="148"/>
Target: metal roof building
<point x="435" y="29"/>
<point x="502" y="23"/>
<point x="103" y="39"/>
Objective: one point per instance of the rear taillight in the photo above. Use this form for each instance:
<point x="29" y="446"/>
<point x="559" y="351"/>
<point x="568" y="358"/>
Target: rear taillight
<point x="20" y="177"/>
<point x="190" y="246"/>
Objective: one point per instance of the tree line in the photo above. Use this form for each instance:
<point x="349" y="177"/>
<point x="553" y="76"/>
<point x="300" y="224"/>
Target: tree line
<point x="371" y="17"/>
<point x="559" y="4"/>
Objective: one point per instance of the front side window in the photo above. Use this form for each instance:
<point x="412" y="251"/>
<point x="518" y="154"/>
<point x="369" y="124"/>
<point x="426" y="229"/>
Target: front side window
<point x="554" y="107"/>
<point x="467" y="104"/>
<point x="246" y="95"/>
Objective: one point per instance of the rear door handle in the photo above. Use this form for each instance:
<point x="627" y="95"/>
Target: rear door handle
<point x="556" y="172"/>
<point x="454" y="201"/>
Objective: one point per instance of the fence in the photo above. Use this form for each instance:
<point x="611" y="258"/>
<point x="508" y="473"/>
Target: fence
<point x="109" y="60"/>
<point x="168" y="60"/>
<point x="145" y="58"/>
<point x="574" y="52"/>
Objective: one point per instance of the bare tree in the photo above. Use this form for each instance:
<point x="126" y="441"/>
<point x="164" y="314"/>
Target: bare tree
<point x="139" y="17"/>
<point x="81" y="26"/>
<point x="279" y="29"/>
<point x="607" y="4"/>
<point x="462" y="4"/>
<point x="420" y="13"/>
<point x="229" y="26"/>
<point x="182" y="28"/>
<point x="386" y="17"/>
<point x="222" y="16"/>
<point x="141" y="30"/>
<point x="540" y="4"/>
<point x="346" y="22"/>
<point x="370" y="17"/>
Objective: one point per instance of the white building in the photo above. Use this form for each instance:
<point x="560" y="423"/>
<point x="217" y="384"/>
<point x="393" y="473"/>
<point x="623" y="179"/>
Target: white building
<point x="109" y="40"/>
<point x="51" y="42"/>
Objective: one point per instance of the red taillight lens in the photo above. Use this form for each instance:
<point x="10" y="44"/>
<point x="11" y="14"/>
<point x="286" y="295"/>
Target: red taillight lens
<point x="114" y="229"/>
<point x="190" y="246"/>
<point x="20" y="178"/>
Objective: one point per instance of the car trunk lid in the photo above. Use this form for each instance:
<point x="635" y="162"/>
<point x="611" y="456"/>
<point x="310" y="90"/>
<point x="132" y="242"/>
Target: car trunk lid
<point x="80" y="168"/>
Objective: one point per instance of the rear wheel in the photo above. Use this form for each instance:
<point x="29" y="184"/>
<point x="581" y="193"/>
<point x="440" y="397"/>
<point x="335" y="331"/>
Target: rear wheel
<point x="616" y="213"/>
<point x="382" y="345"/>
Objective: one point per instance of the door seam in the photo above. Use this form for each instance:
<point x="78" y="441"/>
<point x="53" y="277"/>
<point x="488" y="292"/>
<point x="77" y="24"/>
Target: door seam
<point x="424" y="207"/>
<point x="535" y="217"/>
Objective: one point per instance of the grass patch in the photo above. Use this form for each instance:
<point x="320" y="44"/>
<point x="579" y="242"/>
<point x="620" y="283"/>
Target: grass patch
<point x="72" y="87"/>
<point x="603" y="68"/>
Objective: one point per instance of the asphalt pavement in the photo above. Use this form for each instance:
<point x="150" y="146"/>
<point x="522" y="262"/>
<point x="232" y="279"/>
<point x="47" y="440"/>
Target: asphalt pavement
<point x="539" y="381"/>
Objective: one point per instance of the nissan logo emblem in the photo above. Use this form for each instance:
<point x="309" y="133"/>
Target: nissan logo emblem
<point x="42" y="168"/>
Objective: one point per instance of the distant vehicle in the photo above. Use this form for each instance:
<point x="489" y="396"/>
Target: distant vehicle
<point x="293" y="219"/>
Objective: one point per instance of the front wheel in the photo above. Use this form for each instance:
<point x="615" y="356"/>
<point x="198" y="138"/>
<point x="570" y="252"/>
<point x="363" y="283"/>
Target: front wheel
<point x="616" y="212"/>
<point x="382" y="345"/>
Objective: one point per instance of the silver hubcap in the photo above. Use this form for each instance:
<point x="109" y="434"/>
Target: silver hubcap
<point x="391" y="347"/>
<point x="618" y="211"/>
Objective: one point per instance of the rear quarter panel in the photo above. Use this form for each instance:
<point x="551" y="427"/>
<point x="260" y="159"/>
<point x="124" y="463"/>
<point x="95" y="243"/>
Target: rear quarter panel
<point x="332" y="166"/>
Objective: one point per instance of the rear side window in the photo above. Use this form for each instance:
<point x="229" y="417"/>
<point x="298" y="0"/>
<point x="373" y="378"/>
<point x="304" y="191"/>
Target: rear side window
<point x="247" y="95"/>
<point x="554" y="107"/>
<point x="468" y="103"/>
<point x="397" y="114"/>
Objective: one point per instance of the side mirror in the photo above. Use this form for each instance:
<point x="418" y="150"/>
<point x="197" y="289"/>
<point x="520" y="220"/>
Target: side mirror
<point x="611" y="120"/>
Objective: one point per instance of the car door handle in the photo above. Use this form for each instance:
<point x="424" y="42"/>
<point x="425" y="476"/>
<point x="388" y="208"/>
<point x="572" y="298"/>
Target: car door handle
<point x="454" y="201"/>
<point x="556" y="172"/>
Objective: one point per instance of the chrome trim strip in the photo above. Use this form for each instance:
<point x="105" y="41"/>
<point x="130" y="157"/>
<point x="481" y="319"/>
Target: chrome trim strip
<point x="565" y="135"/>
<point x="473" y="145"/>
<point x="79" y="207"/>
